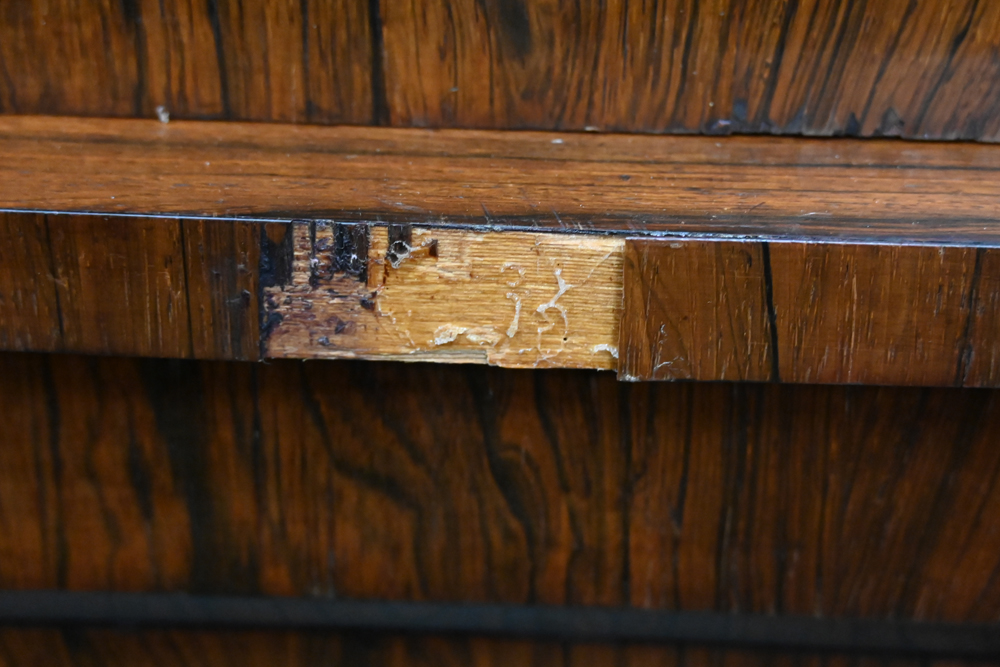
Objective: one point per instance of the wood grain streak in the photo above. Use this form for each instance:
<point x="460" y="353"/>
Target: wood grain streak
<point x="810" y="312"/>
<point x="695" y="310"/>
<point x="281" y="60"/>
<point x="779" y="188"/>
<point x="815" y="67"/>
<point x="132" y="286"/>
<point x="437" y="482"/>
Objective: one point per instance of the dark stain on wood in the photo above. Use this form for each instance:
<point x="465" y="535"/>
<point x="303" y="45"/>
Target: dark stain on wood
<point x="276" y="254"/>
<point x="350" y="252"/>
<point x="329" y="268"/>
<point x="400" y="241"/>
<point x="829" y="313"/>
<point x="276" y="265"/>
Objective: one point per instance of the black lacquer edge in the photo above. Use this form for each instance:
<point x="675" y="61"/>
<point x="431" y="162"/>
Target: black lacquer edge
<point x="585" y="624"/>
<point x="972" y="232"/>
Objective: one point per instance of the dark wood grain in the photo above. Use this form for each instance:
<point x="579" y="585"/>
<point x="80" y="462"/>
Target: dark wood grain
<point x="815" y="67"/>
<point x="460" y="189"/>
<point x="818" y="67"/>
<point x="29" y="306"/>
<point x="132" y="286"/>
<point x="28" y="647"/>
<point x="253" y="60"/>
<point x="862" y="190"/>
<point x="695" y="310"/>
<point x="222" y="264"/>
<point x="809" y="312"/>
<point x="430" y="482"/>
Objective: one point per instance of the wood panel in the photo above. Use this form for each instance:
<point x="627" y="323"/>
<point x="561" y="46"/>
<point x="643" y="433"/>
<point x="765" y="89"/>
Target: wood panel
<point x="253" y="60"/>
<point x="821" y="67"/>
<point x="434" y="482"/>
<point x="862" y="190"/>
<point x="490" y="201"/>
<point x="133" y="286"/>
<point x="189" y="288"/>
<point x="695" y="310"/>
<point x="27" y="647"/>
<point x="808" y="312"/>
<point x="816" y="67"/>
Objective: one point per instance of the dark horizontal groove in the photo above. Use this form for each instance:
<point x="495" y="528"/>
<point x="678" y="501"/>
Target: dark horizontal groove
<point x="584" y="624"/>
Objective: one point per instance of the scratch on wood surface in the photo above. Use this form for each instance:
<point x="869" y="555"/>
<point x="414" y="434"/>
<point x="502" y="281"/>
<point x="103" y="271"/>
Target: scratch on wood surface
<point x="514" y="299"/>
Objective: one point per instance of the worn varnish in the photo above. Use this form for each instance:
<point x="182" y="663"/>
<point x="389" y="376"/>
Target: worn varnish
<point x="132" y="286"/>
<point x="511" y="299"/>
<point x="668" y="308"/>
<point x="170" y="648"/>
<point x="563" y="487"/>
<point x="191" y="288"/>
<point x="809" y="312"/>
<point x="861" y="190"/>
<point x="819" y="67"/>
<point x="270" y="60"/>
<point x="504" y="248"/>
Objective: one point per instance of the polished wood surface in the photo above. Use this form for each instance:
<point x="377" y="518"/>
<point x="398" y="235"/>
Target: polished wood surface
<point x="502" y="248"/>
<point x="30" y="647"/>
<point x="131" y="286"/>
<point x="268" y="60"/>
<point x="816" y="67"/>
<point x="133" y="222"/>
<point x="810" y="312"/>
<point x="862" y="190"/>
<point x="432" y="482"/>
<point x="801" y="311"/>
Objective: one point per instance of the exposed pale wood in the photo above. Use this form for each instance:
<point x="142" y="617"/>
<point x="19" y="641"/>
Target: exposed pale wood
<point x="513" y="299"/>
<point x="862" y="190"/>
<point x="810" y="312"/>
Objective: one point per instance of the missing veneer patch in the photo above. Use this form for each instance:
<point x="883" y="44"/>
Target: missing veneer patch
<point x="514" y="299"/>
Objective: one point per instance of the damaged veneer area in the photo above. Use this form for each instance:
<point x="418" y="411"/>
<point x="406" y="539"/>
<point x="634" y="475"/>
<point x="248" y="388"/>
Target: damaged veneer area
<point x="513" y="299"/>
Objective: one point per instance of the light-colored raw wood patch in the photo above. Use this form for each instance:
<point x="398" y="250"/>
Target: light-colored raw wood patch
<point x="513" y="299"/>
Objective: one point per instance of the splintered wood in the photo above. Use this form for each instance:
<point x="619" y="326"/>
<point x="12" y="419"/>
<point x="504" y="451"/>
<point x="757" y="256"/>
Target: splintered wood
<point x="513" y="299"/>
